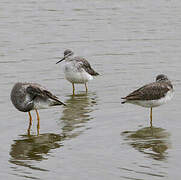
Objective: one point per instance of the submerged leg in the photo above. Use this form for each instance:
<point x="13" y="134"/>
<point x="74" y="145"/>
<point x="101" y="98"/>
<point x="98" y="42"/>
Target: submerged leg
<point x="73" y="88"/>
<point x="30" y="122"/>
<point x="38" y="119"/>
<point x="151" y="117"/>
<point x="86" y="88"/>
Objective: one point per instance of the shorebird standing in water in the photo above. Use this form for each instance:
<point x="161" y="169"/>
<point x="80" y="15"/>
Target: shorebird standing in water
<point x="32" y="96"/>
<point x="77" y="69"/>
<point x="152" y="95"/>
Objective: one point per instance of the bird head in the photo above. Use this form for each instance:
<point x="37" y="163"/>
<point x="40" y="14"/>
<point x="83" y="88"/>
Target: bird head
<point x="161" y="77"/>
<point x="67" y="53"/>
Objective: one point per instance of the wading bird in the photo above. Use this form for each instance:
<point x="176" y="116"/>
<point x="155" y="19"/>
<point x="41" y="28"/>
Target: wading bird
<point x="32" y="96"/>
<point x="77" y="70"/>
<point x="152" y="95"/>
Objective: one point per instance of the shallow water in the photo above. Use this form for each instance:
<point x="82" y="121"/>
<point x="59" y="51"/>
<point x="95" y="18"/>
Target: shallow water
<point x="94" y="136"/>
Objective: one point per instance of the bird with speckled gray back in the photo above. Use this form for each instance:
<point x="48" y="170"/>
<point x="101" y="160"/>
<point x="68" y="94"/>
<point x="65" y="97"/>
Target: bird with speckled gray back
<point x="32" y="96"/>
<point x="77" y="69"/>
<point x="152" y="94"/>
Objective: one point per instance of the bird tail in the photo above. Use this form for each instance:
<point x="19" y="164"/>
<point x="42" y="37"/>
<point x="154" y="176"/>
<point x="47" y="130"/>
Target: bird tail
<point x="54" y="99"/>
<point x="123" y="102"/>
<point x="96" y="73"/>
<point x="57" y="103"/>
<point x="93" y="73"/>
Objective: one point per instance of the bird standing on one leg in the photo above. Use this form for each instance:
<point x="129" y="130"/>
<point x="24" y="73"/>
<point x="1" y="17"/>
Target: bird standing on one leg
<point x="77" y="69"/>
<point x="152" y="94"/>
<point x="31" y="96"/>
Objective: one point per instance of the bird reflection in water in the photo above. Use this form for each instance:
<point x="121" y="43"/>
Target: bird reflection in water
<point x="35" y="148"/>
<point x="30" y="148"/>
<point x="151" y="141"/>
<point x="77" y="113"/>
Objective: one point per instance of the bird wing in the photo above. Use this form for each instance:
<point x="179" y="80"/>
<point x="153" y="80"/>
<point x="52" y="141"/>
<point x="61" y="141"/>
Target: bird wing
<point x="51" y="96"/>
<point x="152" y="91"/>
<point x="36" y="90"/>
<point x="83" y="63"/>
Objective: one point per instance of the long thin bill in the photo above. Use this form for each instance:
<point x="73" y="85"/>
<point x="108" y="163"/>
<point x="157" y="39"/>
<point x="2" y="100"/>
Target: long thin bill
<point x="60" y="60"/>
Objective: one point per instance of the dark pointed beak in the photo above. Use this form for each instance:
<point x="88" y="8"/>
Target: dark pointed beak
<point x="60" y="60"/>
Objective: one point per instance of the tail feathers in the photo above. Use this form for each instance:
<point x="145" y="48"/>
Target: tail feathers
<point x="123" y="102"/>
<point x="92" y="71"/>
<point x="57" y="103"/>
<point x="54" y="99"/>
<point x="95" y="73"/>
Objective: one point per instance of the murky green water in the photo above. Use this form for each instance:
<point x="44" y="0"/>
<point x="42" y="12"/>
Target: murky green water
<point x="94" y="136"/>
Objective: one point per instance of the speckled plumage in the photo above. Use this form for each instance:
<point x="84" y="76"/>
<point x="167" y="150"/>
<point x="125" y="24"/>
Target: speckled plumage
<point x="83" y="63"/>
<point x="152" y="91"/>
<point x="77" y="69"/>
<point x="28" y="96"/>
<point x="32" y="96"/>
<point x="152" y="94"/>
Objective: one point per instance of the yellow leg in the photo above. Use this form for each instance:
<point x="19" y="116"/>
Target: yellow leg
<point x="151" y="117"/>
<point x="38" y="119"/>
<point x="30" y="122"/>
<point x="86" y="88"/>
<point x="73" y="89"/>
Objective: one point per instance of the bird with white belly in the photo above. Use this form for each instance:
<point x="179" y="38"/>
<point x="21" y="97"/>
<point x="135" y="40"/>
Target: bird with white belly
<point x="152" y="95"/>
<point x="77" y="69"/>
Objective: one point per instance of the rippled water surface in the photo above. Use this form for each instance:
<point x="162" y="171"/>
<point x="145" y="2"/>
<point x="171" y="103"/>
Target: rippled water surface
<point x="94" y="136"/>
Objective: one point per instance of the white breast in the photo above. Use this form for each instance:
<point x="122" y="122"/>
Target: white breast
<point x="76" y="75"/>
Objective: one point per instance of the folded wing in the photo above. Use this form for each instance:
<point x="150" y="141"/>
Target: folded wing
<point x="36" y="90"/>
<point x="152" y="91"/>
<point x="83" y="63"/>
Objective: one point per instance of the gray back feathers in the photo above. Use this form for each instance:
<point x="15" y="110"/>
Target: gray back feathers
<point x="152" y="91"/>
<point x="83" y="63"/>
<point x="23" y="96"/>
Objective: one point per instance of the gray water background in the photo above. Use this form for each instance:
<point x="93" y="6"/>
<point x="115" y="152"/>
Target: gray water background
<point x="94" y="136"/>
